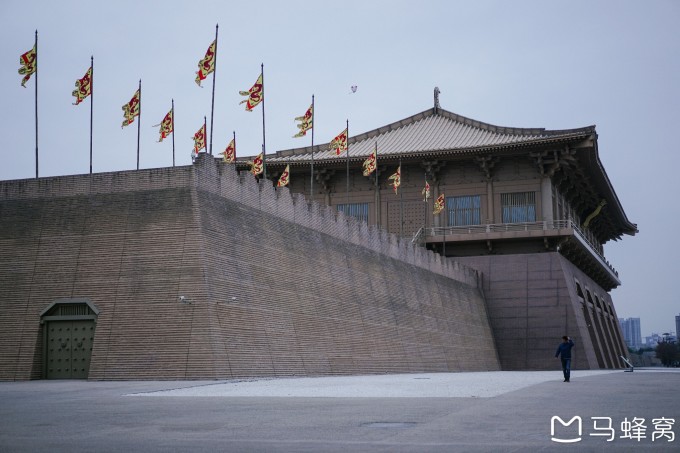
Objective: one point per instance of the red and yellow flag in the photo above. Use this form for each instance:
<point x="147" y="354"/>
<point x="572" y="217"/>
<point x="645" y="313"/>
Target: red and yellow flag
<point x="426" y="191"/>
<point x="339" y="143"/>
<point x="396" y="177"/>
<point x="166" y="126"/>
<point x="439" y="204"/>
<point x="131" y="109"/>
<point x="199" y="140"/>
<point x="257" y="165"/>
<point x="370" y="164"/>
<point x="207" y="64"/>
<point x="255" y="95"/>
<point x="83" y="87"/>
<point x="230" y="153"/>
<point x="29" y="65"/>
<point x="306" y="122"/>
<point x="285" y="177"/>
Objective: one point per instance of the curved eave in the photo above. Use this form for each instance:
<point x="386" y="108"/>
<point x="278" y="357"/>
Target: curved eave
<point x="605" y="185"/>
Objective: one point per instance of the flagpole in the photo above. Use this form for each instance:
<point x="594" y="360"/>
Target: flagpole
<point x="205" y="124"/>
<point x="36" y="104"/>
<point x="212" y="108"/>
<point x="347" y="151"/>
<point x="401" y="205"/>
<point x="264" y="149"/>
<point x="434" y="200"/>
<point x="172" y="115"/>
<point x="139" y="120"/>
<point x="91" y="105"/>
<point x="442" y="225"/>
<point x="311" y="185"/>
<point x="425" y="216"/>
<point x="444" y="237"/>
<point x="377" y="190"/>
<point x="234" y="133"/>
<point x="288" y="167"/>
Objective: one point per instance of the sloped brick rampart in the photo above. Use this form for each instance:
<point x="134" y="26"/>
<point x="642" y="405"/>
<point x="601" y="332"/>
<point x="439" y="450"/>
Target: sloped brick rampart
<point x="276" y="287"/>
<point x="534" y="299"/>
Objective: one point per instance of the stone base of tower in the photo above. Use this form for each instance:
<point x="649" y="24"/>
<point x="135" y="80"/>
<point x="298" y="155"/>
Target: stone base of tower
<point x="535" y="299"/>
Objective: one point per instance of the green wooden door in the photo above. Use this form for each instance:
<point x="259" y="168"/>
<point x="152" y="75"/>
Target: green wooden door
<point x="69" y="348"/>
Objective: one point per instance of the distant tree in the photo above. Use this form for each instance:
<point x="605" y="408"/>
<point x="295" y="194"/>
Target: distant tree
<point x="668" y="353"/>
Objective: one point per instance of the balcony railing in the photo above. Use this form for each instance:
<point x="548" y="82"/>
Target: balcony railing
<point x="586" y="238"/>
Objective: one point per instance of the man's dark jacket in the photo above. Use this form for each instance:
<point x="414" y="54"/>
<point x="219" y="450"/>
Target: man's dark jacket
<point x="565" y="349"/>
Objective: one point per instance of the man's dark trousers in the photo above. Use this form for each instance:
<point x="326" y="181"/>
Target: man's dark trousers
<point x="566" y="368"/>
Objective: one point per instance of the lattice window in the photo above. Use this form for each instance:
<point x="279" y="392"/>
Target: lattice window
<point x="518" y="207"/>
<point x="358" y="210"/>
<point x="465" y="210"/>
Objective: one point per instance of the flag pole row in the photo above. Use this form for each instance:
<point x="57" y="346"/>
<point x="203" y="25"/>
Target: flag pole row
<point x="253" y="97"/>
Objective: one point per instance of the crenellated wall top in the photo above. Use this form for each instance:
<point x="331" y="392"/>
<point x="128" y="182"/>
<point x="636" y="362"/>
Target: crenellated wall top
<point x="214" y="176"/>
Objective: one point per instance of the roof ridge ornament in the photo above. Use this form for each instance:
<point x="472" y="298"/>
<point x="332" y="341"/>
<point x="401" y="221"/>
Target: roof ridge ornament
<point x="436" y="100"/>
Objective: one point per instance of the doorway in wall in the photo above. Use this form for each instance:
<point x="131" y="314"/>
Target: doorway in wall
<point x="68" y="338"/>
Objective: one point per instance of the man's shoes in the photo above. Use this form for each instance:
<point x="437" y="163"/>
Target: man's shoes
<point x="565" y="380"/>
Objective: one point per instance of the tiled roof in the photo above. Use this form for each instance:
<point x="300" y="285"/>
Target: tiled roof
<point x="431" y="132"/>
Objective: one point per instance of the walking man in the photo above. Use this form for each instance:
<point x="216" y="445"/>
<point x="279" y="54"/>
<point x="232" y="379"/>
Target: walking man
<point x="564" y="352"/>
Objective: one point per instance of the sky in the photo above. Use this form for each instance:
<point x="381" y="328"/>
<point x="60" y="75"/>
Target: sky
<point x="614" y="64"/>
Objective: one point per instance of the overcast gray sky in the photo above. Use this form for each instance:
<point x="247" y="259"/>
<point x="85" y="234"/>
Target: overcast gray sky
<point x="552" y="64"/>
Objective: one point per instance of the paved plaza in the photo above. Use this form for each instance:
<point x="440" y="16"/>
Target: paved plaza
<point x="442" y="412"/>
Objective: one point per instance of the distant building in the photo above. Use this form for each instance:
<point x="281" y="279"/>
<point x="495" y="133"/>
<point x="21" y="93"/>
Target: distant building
<point x="669" y="338"/>
<point x="677" y="325"/>
<point x="631" y="332"/>
<point x="656" y="338"/>
<point x="652" y="340"/>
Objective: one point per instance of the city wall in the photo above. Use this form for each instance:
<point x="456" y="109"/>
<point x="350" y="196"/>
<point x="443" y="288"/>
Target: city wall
<point x="271" y="286"/>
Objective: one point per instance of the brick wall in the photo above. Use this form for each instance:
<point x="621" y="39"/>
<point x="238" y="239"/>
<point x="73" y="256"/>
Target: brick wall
<point x="277" y="287"/>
